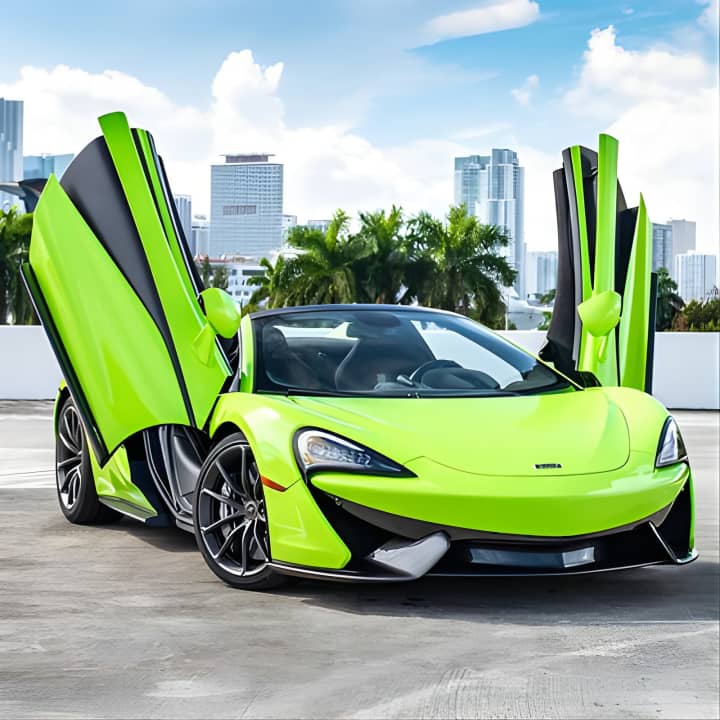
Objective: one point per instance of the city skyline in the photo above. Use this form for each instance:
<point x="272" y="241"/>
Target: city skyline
<point x="405" y="88"/>
<point x="492" y="187"/>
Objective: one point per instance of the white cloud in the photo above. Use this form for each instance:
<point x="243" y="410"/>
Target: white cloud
<point x="709" y="19"/>
<point x="662" y="105"/>
<point x="326" y="167"/>
<point x="524" y="93"/>
<point x="490" y="17"/>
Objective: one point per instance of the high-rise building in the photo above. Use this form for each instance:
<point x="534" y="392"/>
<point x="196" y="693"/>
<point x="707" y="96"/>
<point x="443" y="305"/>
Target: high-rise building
<point x="683" y="240"/>
<point x="11" y="146"/>
<point x="183" y="203"/>
<point x="288" y="222"/>
<point x="42" y="166"/>
<point x="200" y="243"/>
<point x="321" y="225"/>
<point x="683" y="232"/>
<point x="493" y="188"/>
<point x="541" y="272"/>
<point x="246" y="200"/>
<point x="662" y="239"/>
<point x="696" y="275"/>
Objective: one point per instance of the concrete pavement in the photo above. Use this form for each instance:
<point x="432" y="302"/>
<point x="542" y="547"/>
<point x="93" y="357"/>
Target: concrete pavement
<point x="126" y="621"/>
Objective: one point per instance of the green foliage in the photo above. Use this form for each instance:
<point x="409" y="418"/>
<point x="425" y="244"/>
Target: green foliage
<point x="699" y="316"/>
<point x="669" y="303"/>
<point x="456" y="266"/>
<point x="220" y="277"/>
<point x="15" y="232"/>
<point x="205" y="270"/>
<point x="452" y="265"/>
<point x="548" y="298"/>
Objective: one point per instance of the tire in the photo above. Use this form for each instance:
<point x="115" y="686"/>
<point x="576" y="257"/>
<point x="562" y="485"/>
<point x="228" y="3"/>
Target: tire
<point x="74" y="480"/>
<point x="230" y="520"/>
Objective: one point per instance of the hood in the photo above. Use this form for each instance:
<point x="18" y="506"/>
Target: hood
<point x="581" y="432"/>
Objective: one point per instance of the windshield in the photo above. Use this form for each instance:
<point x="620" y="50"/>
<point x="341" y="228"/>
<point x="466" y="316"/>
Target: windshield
<point x="385" y="353"/>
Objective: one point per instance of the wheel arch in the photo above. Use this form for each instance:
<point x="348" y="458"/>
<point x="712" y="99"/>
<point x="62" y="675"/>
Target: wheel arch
<point x="60" y="398"/>
<point x="225" y="429"/>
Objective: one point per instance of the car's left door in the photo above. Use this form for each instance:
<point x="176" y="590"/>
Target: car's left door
<point x="118" y="294"/>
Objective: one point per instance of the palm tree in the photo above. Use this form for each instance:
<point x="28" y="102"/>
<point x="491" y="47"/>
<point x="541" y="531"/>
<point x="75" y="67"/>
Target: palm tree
<point x="324" y="269"/>
<point x="15" y="232"/>
<point x="277" y="286"/>
<point x="669" y="303"/>
<point x="456" y="266"/>
<point x="380" y="276"/>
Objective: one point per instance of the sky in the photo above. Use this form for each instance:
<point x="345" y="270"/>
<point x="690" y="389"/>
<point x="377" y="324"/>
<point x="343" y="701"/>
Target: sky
<point x="366" y="102"/>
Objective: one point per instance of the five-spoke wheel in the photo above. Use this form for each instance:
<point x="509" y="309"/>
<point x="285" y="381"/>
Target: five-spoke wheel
<point x="230" y="518"/>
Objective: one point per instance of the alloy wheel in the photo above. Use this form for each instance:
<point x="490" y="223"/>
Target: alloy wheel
<point x="69" y="464"/>
<point x="231" y="512"/>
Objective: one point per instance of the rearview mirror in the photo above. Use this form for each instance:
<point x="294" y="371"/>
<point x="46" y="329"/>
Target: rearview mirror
<point x="601" y="313"/>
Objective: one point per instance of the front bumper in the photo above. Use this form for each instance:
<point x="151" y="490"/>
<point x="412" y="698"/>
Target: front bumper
<point x="663" y="537"/>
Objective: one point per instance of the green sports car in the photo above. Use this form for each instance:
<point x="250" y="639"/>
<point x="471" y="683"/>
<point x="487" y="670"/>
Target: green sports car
<point x="354" y="442"/>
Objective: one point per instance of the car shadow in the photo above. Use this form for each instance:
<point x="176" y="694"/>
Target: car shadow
<point x="658" y="594"/>
<point x="170" y="539"/>
<point x="661" y="594"/>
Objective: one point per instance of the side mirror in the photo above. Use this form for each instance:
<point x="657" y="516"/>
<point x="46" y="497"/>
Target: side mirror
<point x="601" y="313"/>
<point x="223" y="318"/>
<point x="221" y="311"/>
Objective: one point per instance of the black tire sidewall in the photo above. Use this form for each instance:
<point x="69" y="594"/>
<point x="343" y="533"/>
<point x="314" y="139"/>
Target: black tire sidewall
<point x="267" y="578"/>
<point x="87" y="508"/>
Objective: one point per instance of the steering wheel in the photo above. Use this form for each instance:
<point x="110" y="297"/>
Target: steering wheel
<point x="418" y="373"/>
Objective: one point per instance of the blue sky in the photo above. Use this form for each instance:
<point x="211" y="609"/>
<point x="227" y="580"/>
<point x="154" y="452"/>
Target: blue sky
<point x="377" y="69"/>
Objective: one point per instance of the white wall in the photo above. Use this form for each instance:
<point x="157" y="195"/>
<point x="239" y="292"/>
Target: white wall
<point x="687" y="365"/>
<point x="28" y="369"/>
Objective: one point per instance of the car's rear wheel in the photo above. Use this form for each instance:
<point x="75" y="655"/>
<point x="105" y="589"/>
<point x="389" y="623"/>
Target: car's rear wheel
<point x="73" y="472"/>
<point x="230" y="518"/>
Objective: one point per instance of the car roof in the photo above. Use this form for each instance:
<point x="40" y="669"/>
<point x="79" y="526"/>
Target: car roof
<point x="347" y="307"/>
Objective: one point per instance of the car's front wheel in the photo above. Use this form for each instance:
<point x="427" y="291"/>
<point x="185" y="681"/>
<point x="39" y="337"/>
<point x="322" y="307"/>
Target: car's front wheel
<point x="73" y="472"/>
<point x="230" y="517"/>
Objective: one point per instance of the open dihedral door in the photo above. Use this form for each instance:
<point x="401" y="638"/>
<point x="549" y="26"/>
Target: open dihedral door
<point x="115" y="287"/>
<point x="603" y="320"/>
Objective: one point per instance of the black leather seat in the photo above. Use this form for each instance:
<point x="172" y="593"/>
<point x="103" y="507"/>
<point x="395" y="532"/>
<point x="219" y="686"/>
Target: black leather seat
<point x="379" y="356"/>
<point x="283" y="366"/>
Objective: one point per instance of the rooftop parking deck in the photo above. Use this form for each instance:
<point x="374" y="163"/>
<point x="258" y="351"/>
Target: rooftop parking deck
<point x="127" y="621"/>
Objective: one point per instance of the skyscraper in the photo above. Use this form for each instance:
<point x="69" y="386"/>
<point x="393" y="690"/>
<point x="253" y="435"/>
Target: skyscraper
<point x="11" y="146"/>
<point x="696" y="275"/>
<point x="493" y="188"/>
<point x="288" y="222"/>
<point x="683" y="236"/>
<point x="183" y="203"/>
<point x="541" y="272"/>
<point x="42" y="166"/>
<point x="246" y="200"/>
<point x="200" y="243"/>
<point x="662" y="238"/>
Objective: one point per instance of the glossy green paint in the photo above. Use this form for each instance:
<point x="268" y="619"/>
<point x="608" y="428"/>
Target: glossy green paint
<point x="114" y="480"/>
<point x="543" y="505"/>
<point x="221" y="311"/>
<point x="598" y="354"/>
<point x="146" y="147"/>
<point x="247" y="354"/>
<point x="130" y="384"/>
<point x="633" y="339"/>
<point x="300" y="533"/>
<point x="471" y="470"/>
<point x="182" y="309"/>
<point x="576" y="160"/>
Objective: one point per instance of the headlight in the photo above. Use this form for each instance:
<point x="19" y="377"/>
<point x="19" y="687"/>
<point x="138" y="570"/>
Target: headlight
<point x="671" y="448"/>
<point x="320" y="450"/>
